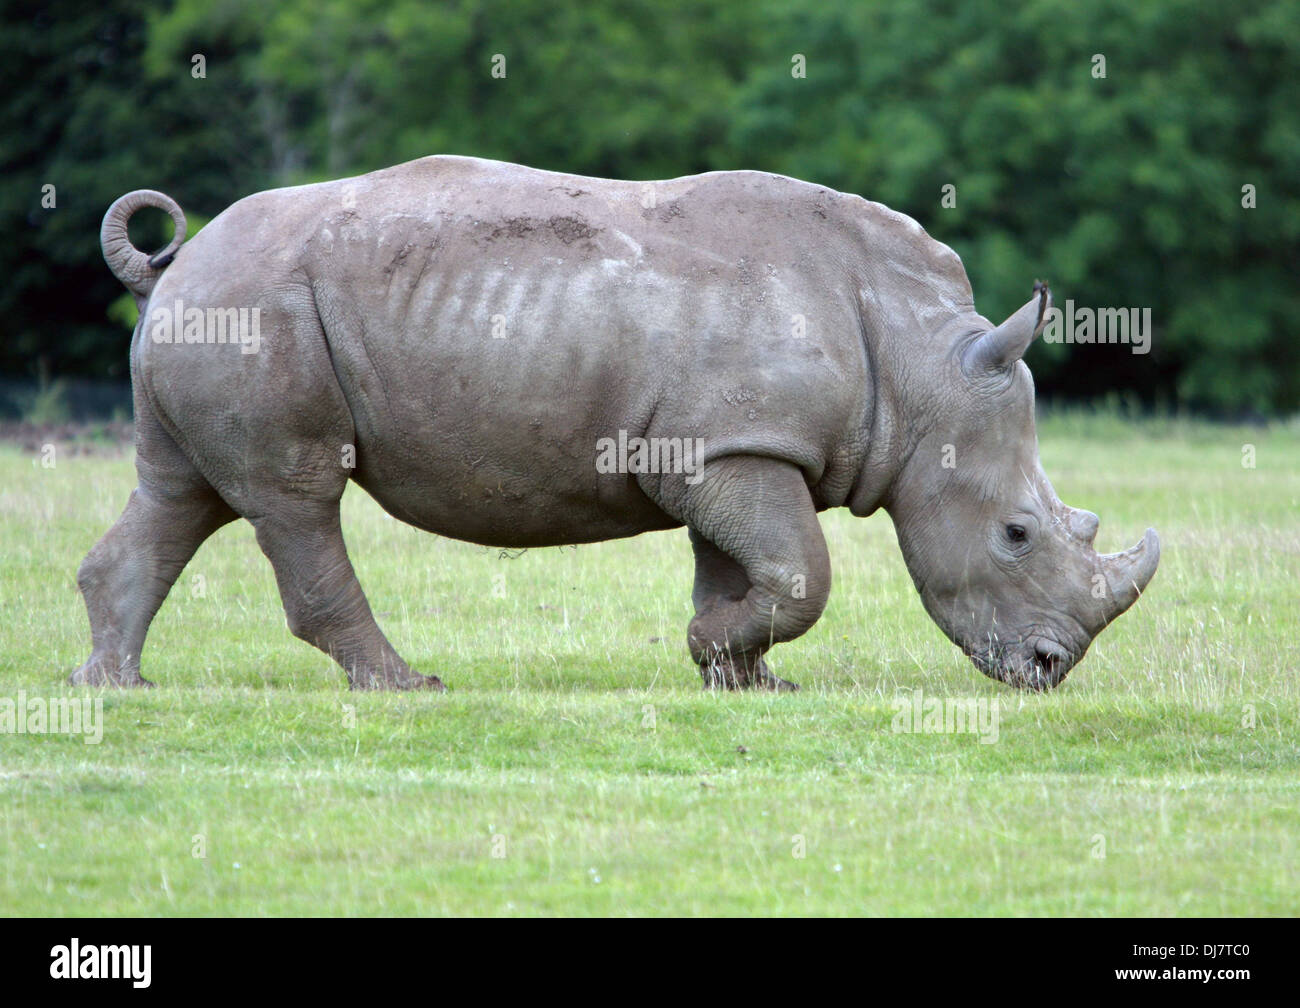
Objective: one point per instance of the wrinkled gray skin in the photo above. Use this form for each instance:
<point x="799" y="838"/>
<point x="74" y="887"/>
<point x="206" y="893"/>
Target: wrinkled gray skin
<point x="473" y="328"/>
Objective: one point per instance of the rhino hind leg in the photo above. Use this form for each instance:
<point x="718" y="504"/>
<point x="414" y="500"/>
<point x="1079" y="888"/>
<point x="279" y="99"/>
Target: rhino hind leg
<point x="129" y="572"/>
<point x="323" y="599"/>
<point x="272" y="433"/>
<point x="294" y="509"/>
<point x="762" y="571"/>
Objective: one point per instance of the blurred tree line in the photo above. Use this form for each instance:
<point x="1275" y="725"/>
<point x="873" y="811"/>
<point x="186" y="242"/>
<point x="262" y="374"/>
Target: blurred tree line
<point x="1104" y="146"/>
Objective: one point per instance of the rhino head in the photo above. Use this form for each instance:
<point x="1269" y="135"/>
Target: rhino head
<point x="1004" y="568"/>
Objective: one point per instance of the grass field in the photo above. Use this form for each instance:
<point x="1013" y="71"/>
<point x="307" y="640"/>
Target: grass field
<point x="576" y="767"/>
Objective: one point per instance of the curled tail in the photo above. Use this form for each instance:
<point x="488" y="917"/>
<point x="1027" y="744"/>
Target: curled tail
<point x="137" y="271"/>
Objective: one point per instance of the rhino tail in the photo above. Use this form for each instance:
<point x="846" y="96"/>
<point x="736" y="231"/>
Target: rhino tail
<point x="138" y="271"/>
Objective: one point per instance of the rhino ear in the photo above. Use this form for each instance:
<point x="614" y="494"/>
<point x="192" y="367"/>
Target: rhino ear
<point x="998" y="349"/>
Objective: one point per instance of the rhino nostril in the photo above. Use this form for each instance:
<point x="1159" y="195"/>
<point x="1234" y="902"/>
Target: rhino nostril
<point x="1053" y="664"/>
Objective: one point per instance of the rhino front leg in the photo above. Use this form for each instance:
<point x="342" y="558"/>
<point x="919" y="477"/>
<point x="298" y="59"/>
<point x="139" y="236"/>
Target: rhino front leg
<point x="762" y="572"/>
<point x="323" y="599"/>
<point x="721" y="581"/>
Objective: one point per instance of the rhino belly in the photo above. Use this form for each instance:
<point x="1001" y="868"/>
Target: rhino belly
<point x="485" y="424"/>
<point x="508" y="481"/>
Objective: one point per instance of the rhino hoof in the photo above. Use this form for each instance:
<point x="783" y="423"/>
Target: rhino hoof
<point x="727" y="675"/>
<point x="410" y="681"/>
<point x="97" y="672"/>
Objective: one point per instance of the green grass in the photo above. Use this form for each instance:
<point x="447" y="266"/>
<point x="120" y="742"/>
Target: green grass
<point x="576" y="742"/>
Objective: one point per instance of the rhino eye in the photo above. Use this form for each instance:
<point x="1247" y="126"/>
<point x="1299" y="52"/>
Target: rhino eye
<point x="1016" y="533"/>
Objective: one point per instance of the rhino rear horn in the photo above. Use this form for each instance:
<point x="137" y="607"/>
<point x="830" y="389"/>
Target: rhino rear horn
<point x="998" y="349"/>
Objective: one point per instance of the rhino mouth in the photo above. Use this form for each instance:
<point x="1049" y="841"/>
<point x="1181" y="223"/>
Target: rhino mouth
<point x="1039" y="668"/>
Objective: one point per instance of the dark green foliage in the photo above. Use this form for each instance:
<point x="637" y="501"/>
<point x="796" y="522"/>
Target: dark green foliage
<point x="1124" y="191"/>
<point x="81" y="115"/>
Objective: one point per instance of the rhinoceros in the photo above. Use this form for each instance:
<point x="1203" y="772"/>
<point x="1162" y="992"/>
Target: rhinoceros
<point x="522" y="358"/>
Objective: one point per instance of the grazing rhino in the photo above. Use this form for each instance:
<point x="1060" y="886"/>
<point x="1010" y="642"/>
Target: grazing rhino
<point x="522" y="358"/>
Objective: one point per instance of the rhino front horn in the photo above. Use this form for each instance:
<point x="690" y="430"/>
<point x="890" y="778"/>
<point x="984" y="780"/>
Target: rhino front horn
<point x="1128" y="573"/>
<point x="999" y="348"/>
